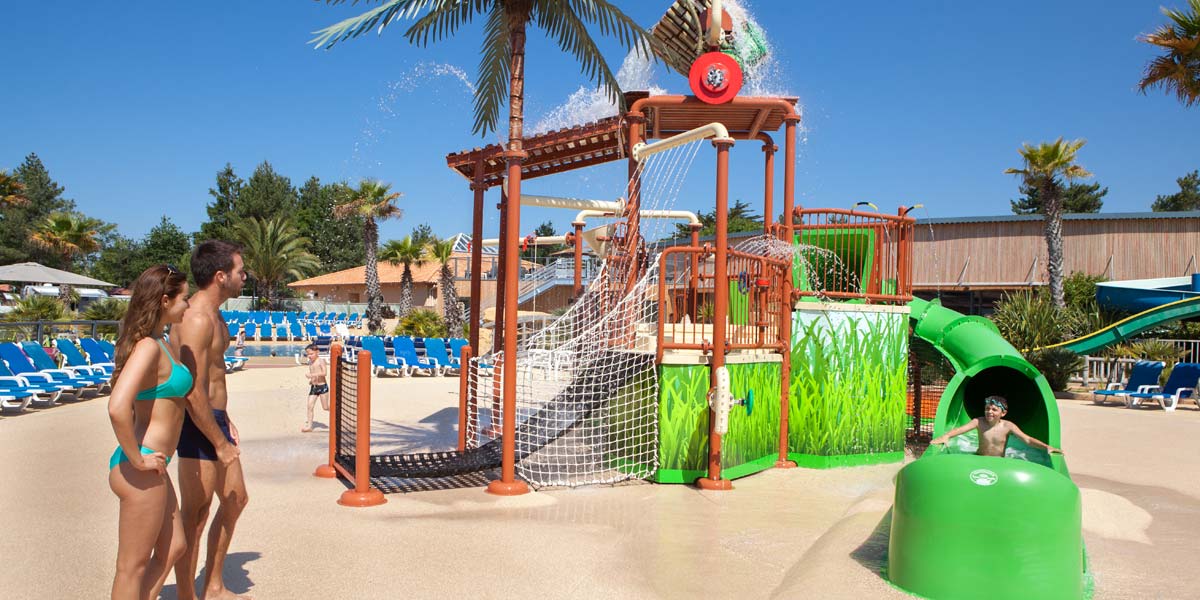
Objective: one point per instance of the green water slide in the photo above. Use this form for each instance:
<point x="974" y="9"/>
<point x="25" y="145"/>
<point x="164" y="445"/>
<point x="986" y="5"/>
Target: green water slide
<point x="966" y="526"/>
<point x="1131" y="326"/>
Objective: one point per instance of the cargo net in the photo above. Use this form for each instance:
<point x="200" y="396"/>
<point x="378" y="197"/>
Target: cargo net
<point x="928" y="374"/>
<point x="818" y="269"/>
<point x="587" y="388"/>
<point x="346" y="404"/>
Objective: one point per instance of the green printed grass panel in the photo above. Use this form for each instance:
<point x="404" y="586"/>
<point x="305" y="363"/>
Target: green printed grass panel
<point x="756" y="435"/>
<point x="630" y="426"/>
<point x="849" y="380"/>
<point x="739" y="304"/>
<point x="682" y="417"/>
<point x="752" y="442"/>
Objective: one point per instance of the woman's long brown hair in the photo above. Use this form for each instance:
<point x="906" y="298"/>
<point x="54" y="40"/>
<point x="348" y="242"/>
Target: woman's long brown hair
<point x="145" y="309"/>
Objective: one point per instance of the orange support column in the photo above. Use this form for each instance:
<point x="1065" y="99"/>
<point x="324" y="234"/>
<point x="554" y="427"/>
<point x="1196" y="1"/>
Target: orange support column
<point x="508" y="485"/>
<point x="465" y="405"/>
<point x="363" y="494"/>
<point x="578" y="243"/>
<point x="720" y="313"/>
<point x="789" y="178"/>
<point x="769" y="149"/>
<point x="335" y="356"/>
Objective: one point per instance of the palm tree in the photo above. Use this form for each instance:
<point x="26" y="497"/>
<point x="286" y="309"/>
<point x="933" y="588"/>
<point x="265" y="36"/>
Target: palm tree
<point x="274" y="252"/>
<point x="68" y="236"/>
<point x="408" y="253"/>
<point x="503" y="46"/>
<point x="11" y="191"/>
<point x="372" y="200"/>
<point x="1046" y="164"/>
<point x="443" y="252"/>
<point x="1178" y="70"/>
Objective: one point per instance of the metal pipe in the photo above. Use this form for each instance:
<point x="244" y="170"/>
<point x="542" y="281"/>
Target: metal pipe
<point x="642" y="150"/>
<point x="576" y="203"/>
<point x="715" y="15"/>
<point x="720" y="311"/>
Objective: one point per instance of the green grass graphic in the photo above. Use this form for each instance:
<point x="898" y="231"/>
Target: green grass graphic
<point x="849" y="378"/>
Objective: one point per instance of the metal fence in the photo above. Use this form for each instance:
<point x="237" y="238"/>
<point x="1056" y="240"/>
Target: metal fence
<point x="40" y="331"/>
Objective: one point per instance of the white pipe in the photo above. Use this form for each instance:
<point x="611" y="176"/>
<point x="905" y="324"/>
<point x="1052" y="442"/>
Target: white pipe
<point x="541" y="240"/>
<point x="714" y="24"/>
<point x="576" y="203"/>
<point x="641" y="150"/>
<point x="645" y="214"/>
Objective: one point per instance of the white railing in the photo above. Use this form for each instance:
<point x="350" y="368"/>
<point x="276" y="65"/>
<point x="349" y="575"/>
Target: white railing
<point x="1191" y="346"/>
<point x="1098" y="371"/>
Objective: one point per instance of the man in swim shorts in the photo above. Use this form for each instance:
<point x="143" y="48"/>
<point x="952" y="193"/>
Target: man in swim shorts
<point x="209" y="456"/>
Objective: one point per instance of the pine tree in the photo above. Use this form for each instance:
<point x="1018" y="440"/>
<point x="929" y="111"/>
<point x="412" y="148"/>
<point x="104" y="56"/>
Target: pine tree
<point x="220" y="211"/>
<point x="336" y="242"/>
<point x="1077" y="198"/>
<point x="43" y="197"/>
<point x="267" y="194"/>
<point x="1187" y="198"/>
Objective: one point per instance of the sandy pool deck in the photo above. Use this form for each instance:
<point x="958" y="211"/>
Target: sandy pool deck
<point x="788" y="534"/>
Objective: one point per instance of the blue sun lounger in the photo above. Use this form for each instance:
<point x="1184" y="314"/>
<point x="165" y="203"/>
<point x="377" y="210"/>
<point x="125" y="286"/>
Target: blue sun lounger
<point x="92" y="377"/>
<point x="380" y="363"/>
<point x="406" y="352"/>
<point x="75" y="358"/>
<point x="1143" y="377"/>
<point x="20" y="365"/>
<point x="95" y="352"/>
<point x="1181" y="385"/>
<point x="435" y="351"/>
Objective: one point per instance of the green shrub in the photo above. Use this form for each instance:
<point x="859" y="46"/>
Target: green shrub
<point x="1030" y="320"/>
<point x="37" y="308"/>
<point x="421" y="323"/>
<point x="1057" y="365"/>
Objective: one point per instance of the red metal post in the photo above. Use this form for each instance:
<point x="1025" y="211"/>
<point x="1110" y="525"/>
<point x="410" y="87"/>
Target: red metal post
<point x="785" y="369"/>
<point x="694" y="284"/>
<point x="769" y="149"/>
<point x="363" y="494"/>
<point x="465" y="406"/>
<point x="720" y="312"/>
<point x="789" y="177"/>
<point x="578" y="290"/>
<point x="508" y="485"/>
<point x="327" y="470"/>
<point x="478" y="187"/>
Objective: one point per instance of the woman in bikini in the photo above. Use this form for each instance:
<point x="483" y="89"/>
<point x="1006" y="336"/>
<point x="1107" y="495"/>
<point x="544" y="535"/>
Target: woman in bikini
<point x="146" y="408"/>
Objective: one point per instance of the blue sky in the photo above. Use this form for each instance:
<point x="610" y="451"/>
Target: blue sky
<point x="134" y="106"/>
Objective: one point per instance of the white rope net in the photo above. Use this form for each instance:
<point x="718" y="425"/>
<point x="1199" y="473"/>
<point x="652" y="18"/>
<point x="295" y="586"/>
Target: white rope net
<point x="587" y="387"/>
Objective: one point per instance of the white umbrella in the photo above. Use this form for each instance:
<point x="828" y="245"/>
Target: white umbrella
<point x="31" y="272"/>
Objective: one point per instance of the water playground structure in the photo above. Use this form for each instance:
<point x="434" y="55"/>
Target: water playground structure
<point x="701" y="363"/>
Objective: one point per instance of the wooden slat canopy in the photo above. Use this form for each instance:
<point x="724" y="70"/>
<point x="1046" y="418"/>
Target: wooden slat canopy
<point x="551" y="152"/>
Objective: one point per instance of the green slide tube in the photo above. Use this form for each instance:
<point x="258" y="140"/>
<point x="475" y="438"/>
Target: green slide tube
<point x="968" y="526"/>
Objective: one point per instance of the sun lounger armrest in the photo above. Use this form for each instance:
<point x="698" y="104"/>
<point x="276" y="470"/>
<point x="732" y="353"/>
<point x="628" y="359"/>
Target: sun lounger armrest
<point x="21" y="381"/>
<point x="1179" y="393"/>
<point x="1114" y="386"/>
<point x="44" y="376"/>
<point x="1145" y="389"/>
<point x="85" y="369"/>
<point x="62" y="371"/>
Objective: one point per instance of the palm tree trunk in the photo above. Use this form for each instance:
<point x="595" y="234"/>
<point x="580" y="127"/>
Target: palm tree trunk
<point x="374" y="294"/>
<point x="406" y="288"/>
<point x="516" y="88"/>
<point x="1052" y="199"/>
<point x="451" y="312"/>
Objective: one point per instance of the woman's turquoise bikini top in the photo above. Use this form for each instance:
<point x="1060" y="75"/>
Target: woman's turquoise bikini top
<point x="178" y="383"/>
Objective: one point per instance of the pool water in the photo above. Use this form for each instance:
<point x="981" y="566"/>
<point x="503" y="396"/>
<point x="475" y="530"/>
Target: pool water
<point x="968" y="443"/>
<point x="270" y="350"/>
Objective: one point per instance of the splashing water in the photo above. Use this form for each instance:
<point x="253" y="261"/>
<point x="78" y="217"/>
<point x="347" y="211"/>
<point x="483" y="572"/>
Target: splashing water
<point x="376" y="127"/>
<point x="763" y="76"/>
<point x="585" y="104"/>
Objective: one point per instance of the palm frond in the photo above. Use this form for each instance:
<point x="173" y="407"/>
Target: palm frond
<point x="491" y="85"/>
<point x="444" y="20"/>
<point x="380" y="17"/>
<point x="572" y="36"/>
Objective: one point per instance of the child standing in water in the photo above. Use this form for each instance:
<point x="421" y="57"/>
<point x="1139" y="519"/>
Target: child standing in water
<point x="318" y="388"/>
<point x="994" y="430"/>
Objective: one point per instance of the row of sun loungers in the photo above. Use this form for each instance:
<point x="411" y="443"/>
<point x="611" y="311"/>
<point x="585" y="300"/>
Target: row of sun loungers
<point x="291" y="332"/>
<point x="1142" y="388"/>
<point x="29" y="375"/>
<point x="399" y="355"/>
<point x="285" y="317"/>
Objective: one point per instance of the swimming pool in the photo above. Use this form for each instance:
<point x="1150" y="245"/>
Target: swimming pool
<point x="270" y="350"/>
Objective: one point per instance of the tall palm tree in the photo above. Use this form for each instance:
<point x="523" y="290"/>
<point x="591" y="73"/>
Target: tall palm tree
<point x="408" y="253"/>
<point x="443" y="252"/>
<point x="274" y="252"/>
<point x="502" y="62"/>
<point x="68" y="236"/>
<point x="1178" y="70"/>
<point x="11" y="191"/>
<point x="374" y="201"/>
<point x="1046" y="165"/>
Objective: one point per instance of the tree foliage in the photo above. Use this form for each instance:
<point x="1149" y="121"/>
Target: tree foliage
<point x="371" y="201"/>
<point x="1177" y="70"/>
<point x="43" y="197"/>
<point x="405" y="252"/>
<point x="275" y="253"/>
<point x="741" y="218"/>
<point x="1077" y="198"/>
<point x="336" y="242"/>
<point x="443" y="252"/>
<point x="221" y="210"/>
<point x="1187" y="198"/>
